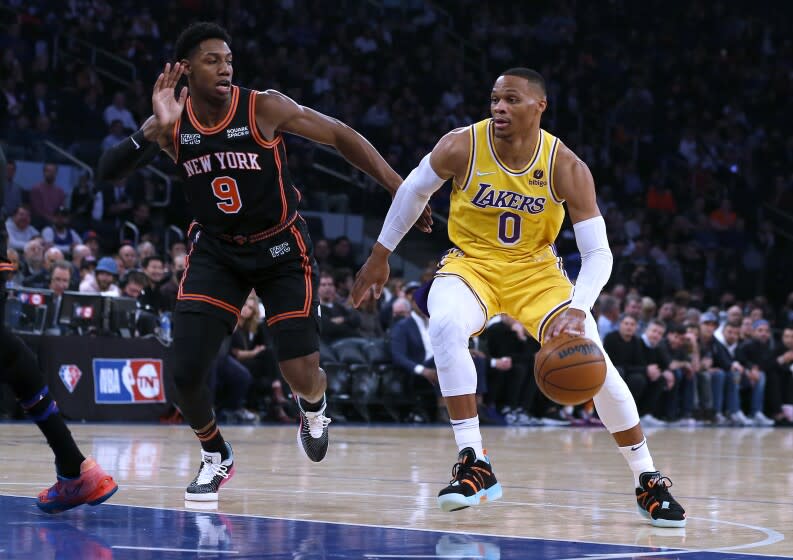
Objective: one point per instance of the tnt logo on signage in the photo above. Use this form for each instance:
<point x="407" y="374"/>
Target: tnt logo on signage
<point x="32" y="299"/>
<point x="70" y="375"/>
<point x="128" y="381"/>
<point x="84" y="312"/>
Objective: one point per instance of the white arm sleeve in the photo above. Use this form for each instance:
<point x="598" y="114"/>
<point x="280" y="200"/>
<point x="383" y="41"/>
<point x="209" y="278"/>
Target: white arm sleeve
<point x="596" y="261"/>
<point x="411" y="198"/>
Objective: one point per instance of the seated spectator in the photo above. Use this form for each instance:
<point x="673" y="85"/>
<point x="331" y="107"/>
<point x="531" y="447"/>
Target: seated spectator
<point x="146" y="249"/>
<point x="129" y="258"/>
<point x="134" y="284"/>
<point x="681" y="360"/>
<point x="117" y="111"/>
<point x="114" y="136"/>
<point x="59" y="234"/>
<point x="15" y="195"/>
<point x="411" y="352"/>
<point x="229" y="382"/>
<point x="784" y="362"/>
<point x="399" y="309"/>
<point x="370" y="317"/>
<point x="19" y="229"/>
<point x="608" y="320"/>
<point x="715" y="363"/>
<point x="33" y="269"/>
<point x="757" y="357"/>
<point x="46" y="197"/>
<point x="91" y="240"/>
<point x="342" y="256"/>
<point x="59" y="282"/>
<point x="510" y="377"/>
<point x="652" y="337"/>
<point x="103" y="279"/>
<point x="252" y="346"/>
<point x="170" y="289"/>
<point x="151" y="298"/>
<point x="338" y="320"/>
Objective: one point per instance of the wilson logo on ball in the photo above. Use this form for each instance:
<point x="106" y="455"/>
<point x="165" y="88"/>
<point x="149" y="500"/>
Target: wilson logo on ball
<point x="585" y="349"/>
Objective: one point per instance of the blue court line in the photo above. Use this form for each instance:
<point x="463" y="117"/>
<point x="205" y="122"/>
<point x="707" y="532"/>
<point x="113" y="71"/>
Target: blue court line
<point x="127" y="532"/>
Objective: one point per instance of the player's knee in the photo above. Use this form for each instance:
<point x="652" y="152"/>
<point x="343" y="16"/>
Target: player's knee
<point x="189" y="369"/>
<point x="446" y="330"/>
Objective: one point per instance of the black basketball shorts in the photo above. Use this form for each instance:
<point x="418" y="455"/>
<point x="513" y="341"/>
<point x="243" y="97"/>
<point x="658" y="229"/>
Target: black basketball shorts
<point x="219" y="275"/>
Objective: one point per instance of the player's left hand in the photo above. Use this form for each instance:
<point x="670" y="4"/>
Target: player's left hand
<point x="571" y="322"/>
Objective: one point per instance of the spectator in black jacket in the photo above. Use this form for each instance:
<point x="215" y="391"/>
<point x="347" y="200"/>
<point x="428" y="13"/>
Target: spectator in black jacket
<point x="510" y="379"/>
<point x="644" y="379"/>
<point x="784" y="362"/>
<point x="757" y="357"/>
<point x="338" y="320"/>
<point x="715" y="363"/>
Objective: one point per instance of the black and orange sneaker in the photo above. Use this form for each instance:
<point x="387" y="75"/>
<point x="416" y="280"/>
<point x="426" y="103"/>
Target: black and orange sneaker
<point x="472" y="483"/>
<point x="656" y="503"/>
<point x="312" y="431"/>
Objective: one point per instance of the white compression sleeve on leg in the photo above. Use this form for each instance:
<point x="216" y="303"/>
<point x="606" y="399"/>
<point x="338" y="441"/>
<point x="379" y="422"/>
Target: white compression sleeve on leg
<point x="411" y="198"/>
<point x="596" y="262"/>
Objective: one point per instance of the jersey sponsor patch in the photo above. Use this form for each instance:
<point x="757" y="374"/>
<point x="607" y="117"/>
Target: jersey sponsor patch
<point x="122" y="381"/>
<point x="190" y="139"/>
<point x="238" y="131"/>
<point x="70" y="375"/>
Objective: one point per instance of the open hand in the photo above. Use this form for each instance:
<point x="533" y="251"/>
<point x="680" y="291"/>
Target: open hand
<point x="167" y="108"/>
<point x="373" y="274"/>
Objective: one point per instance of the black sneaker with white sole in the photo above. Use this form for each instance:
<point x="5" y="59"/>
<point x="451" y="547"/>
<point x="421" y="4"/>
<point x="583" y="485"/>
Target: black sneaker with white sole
<point x="312" y="432"/>
<point x="213" y="473"/>
<point x="656" y="503"/>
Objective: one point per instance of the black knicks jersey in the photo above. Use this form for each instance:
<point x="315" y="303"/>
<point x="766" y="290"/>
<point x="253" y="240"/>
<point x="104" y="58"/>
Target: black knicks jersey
<point x="235" y="181"/>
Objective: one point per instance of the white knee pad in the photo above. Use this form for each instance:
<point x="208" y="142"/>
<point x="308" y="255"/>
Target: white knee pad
<point x="455" y="315"/>
<point x="614" y="402"/>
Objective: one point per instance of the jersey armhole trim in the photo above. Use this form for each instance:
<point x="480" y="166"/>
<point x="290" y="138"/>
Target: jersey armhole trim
<point x="554" y="150"/>
<point x="258" y="137"/>
<point x="471" y="156"/>
<point x="176" y="126"/>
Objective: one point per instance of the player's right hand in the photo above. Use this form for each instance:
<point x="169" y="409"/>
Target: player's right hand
<point x="373" y="273"/>
<point x="167" y="108"/>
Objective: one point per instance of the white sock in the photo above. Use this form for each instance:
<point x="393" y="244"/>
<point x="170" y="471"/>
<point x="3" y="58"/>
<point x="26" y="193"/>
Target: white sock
<point x="638" y="458"/>
<point x="467" y="434"/>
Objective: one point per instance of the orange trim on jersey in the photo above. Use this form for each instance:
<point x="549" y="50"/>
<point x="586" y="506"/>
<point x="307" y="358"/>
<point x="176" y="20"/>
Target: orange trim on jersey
<point x="235" y="96"/>
<point x="277" y="157"/>
<point x="176" y="126"/>
<point x="257" y="136"/>
<point x="306" y="311"/>
<point x="491" y="141"/>
<point x="6" y="267"/>
<point x="200" y="297"/>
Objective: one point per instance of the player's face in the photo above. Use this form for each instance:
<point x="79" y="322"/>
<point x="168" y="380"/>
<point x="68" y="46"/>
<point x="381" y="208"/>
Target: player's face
<point x="515" y="105"/>
<point x="210" y="71"/>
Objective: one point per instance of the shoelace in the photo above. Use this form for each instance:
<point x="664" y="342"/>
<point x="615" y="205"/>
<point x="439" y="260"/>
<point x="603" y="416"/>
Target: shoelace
<point x="664" y="482"/>
<point x="316" y="423"/>
<point x="209" y="471"/>
<point x="463" y="471"/>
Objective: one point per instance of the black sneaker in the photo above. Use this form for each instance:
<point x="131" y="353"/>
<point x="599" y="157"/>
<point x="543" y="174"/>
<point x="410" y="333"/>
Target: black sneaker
<point x="312" y="432"/>
<point x="212" y="474"/>
<point x="472" y="483"/>
<point x="656" y="503"/>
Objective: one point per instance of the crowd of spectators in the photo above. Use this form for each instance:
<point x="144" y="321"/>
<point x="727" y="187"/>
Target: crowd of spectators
<point x="681" y="119"/>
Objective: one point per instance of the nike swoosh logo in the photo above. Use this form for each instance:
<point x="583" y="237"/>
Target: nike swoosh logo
<point x="483" y="173"/>
<point x="635" y="447"/>
<point x="137" y="146"/>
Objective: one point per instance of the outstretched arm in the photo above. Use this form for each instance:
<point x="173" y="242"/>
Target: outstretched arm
<point x="275" y="112"/>
<point x="446" y="161"/>
<point x="142" y="147"/>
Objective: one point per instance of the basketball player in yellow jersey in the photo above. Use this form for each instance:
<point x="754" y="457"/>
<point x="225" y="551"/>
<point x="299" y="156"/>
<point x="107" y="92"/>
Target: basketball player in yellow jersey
<point x="510" y="179"/>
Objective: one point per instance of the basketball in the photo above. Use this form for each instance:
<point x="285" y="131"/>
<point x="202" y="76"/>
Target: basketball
<point x="570" y="370"/>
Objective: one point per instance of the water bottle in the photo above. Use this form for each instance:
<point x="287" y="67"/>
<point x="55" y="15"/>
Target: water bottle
<point x="165" y="326"/>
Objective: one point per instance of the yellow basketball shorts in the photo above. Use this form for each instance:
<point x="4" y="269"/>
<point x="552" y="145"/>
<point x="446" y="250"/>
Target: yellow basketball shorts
<point x="531" y="292"/>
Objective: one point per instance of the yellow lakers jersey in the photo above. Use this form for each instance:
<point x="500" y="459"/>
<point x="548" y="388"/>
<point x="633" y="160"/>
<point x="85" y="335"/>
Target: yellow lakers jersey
<point x="501" y="213"/>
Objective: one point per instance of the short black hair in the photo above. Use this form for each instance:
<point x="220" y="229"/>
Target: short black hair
<point x="532" y="76"/>
<point x="194" y="34"/>
<point x="151" y="258"/>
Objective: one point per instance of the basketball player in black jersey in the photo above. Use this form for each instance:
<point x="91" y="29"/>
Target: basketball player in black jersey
<point x="227" y="143"/>
<point x="79" y="480"/>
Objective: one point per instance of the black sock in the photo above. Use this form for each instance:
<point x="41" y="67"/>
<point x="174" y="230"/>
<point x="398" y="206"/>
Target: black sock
<point x="212" y="441"/>
<point x="44" y="412"/>
<point x="311" y="407"/>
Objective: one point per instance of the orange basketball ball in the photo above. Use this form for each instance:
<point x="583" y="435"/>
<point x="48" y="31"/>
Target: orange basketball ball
<point x="570" y="370"/>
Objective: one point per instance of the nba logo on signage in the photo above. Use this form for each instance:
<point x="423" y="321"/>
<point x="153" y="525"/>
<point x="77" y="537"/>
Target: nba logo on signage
<point x="128" y="381"/>
<point x="70" y="375"/>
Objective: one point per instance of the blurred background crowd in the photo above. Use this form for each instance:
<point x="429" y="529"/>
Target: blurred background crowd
<point x="681" y="120"/>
